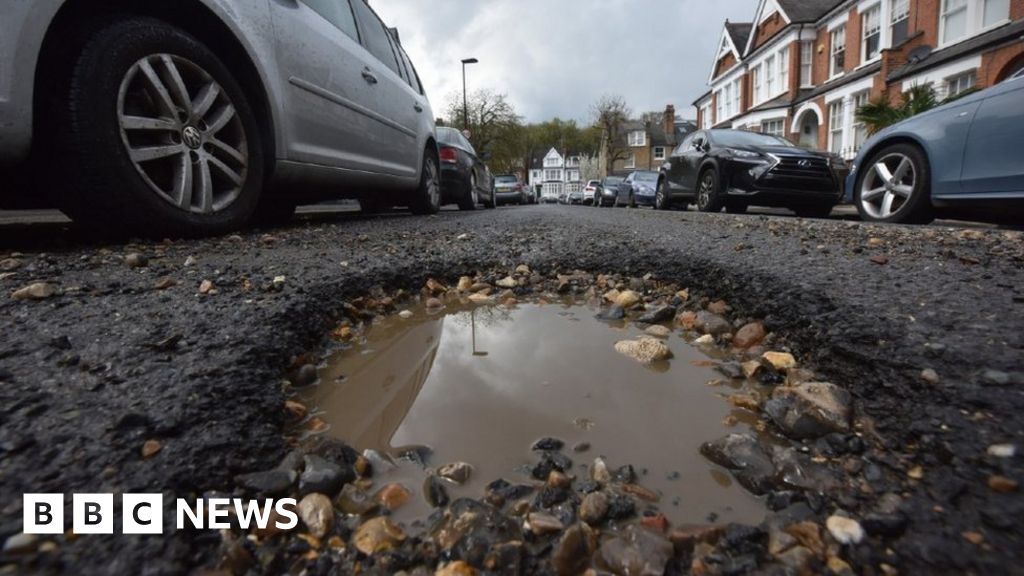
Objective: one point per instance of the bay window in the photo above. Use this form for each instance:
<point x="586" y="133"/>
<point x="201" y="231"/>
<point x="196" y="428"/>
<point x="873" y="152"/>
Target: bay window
<point x="758" y="93"/>
<point x="784" y="69"/>
<point x="769" y="72"/>
<point x="860" y="129"/>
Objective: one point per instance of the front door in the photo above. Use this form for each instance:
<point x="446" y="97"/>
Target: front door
<point x="809" y="131"/>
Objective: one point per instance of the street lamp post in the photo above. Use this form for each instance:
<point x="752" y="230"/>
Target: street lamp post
<point x="465" y="100"/>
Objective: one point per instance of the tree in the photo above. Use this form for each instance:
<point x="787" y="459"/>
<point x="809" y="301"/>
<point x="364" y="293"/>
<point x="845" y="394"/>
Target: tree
<point x="610" y="115"/>
<point x="493" y="124"/>
<point x="881" y="112"/>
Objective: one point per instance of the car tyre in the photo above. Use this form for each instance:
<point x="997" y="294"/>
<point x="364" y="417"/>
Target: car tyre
<point x="187" y="161"/>
<point x="427" y="198"/>
<point x="632" y="201"/>
<point x="709" y="198"/>
<point x="661" y="201"/>
<point x="908" y="182"/>
<point x="471" y="198"/>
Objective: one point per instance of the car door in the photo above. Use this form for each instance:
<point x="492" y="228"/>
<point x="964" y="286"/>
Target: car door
<point x="690" y="160"/>
<point x="329" y="116"/>
<point x="993" y="162"/>
<point x="626" y="188"/>
<point x="397" y="109"/>
<point x="676" y="166"/>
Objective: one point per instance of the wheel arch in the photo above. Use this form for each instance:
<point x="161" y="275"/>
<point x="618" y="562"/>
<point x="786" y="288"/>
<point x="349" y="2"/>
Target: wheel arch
<point x="894" y="140"/>
<point x="65" y="38"/>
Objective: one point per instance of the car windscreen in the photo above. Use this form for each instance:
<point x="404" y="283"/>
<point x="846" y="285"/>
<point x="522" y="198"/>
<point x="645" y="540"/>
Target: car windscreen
<point x="646" y="177"/>
<point x="741" y="138"/>
<point x="506" y="180"/>
<point x="613" y="181"/>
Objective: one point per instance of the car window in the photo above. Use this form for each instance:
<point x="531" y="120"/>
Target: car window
<point x="699" y="140"/>
<point x="507" y="179"/>
<point x="414" y="78"/>
<point x="338" y="13"/>
<point x="647" y="176"/>
<point x="449" y="136"/>
<point x="684" y="145"/>
<point x="377" y="39"/>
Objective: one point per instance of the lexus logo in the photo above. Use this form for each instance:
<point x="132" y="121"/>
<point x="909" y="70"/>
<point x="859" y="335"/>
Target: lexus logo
<point x="804" y="163"/>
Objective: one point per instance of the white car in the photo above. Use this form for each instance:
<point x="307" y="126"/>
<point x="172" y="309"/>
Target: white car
<point x="590" y="191"/>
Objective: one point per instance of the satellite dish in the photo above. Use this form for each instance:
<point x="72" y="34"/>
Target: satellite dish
<point x="918" y="54"/>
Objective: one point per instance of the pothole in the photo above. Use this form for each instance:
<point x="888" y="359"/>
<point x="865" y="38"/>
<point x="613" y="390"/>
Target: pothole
<point x="482" y="384"/>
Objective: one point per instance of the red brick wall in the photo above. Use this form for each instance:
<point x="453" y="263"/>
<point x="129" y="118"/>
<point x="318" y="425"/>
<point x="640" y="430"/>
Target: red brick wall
<point x="853" y="32"/>
<point x="725" y="63"/>
<point x="794" y="69"/>
<point x="924" y="17"/>
<point x="823" y="127"/>
<point x="1016" y="9"/>
<point x="821" y="57"/>
<point x="996" y="63"/>
<point x="769" y="28"/>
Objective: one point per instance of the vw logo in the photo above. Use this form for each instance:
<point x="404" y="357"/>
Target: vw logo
<point x="804" y="163"/>
<point x="191" y="137"/>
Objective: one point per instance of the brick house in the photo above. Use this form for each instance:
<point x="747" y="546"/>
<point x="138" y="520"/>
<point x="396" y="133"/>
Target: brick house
<point x="803" y="67"/>
<point x="649" y="144"/>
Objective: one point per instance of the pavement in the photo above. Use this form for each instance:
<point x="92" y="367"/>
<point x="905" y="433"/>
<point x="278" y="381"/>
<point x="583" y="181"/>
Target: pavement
<point x="123" y="355"/>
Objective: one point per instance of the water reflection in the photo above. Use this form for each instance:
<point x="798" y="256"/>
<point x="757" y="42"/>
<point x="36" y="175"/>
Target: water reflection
<point x="482" y="385"/>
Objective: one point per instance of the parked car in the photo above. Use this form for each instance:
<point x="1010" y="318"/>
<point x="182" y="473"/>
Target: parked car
<point x="734" y="169"/>
<point x="609" y="191"/>
<point x="508" y="189"/>
<point x="637" y="189"/>
<point x="963" y="155"/>
<point x="465" y="179"/>
<point x="574" y="196"/>
<point x="591" y="192"/>
<point x="549" y="196"/>
<point x="192" y="117"/>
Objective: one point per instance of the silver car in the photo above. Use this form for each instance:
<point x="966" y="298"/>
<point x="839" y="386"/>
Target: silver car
<point x="194" y="117"/>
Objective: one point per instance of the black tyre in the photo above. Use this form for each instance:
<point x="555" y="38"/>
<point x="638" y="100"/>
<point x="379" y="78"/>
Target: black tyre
<point x="427" y="198"/>
<point x="709" y="196"/>
<point x="632" y="201"/>
<point x="155" y="137"/>
<point x="814" y="211"/>
<point x="661" y="200"/>
<point x="273" y="212"/>
<point x="471" y="198"/>
<point x="895" y="186"/>
<point x="736" y="207"/>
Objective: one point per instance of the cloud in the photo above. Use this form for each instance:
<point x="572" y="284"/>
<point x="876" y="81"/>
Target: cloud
<point x="554" y="58"/>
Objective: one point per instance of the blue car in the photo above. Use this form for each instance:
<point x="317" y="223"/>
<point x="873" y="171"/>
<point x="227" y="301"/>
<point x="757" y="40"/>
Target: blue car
<point x="966" y="154"/>
<point x="638" y="189"/>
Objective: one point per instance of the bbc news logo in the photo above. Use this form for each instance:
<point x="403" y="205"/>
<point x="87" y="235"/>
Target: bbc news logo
<point x="144" y="514"/>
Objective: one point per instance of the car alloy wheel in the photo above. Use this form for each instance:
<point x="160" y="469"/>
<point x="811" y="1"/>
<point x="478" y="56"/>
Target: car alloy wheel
<point x="659" y="197"/>
<point x="182" y="133"/>
<point x="707" y="185"/>
<point x="887" y="187"/>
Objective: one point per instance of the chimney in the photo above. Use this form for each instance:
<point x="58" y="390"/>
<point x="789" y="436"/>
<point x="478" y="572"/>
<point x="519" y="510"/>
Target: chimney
<point x="669" y="124"/>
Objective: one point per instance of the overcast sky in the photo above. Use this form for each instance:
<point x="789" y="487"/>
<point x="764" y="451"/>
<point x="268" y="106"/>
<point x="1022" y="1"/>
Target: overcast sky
<point x="555" y="57"/>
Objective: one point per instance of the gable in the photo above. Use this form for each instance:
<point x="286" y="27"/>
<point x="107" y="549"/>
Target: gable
<point x="553" y="155"/>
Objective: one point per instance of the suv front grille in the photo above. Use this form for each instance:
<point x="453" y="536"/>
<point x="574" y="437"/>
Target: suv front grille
<point x="802" y="167"/>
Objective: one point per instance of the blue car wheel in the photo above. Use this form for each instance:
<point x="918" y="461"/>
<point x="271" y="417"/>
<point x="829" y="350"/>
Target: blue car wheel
<point x="895" y="186"/>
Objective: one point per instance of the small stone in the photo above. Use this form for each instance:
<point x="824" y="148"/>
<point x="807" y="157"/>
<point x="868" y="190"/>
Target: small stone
<point x="1003" y="484"/>
<point x="541" y="523"/>
<point x="151" y="448"/>
<point x="457" y="568"/>
<point x="434" y="304"/>
<point x="657" y="315"/>
<point x="930" y="376"/>
<point x="594" y="508"/>
<point x="306" y="375"/>
<point x="558" y="480"/>
<point x="613" y="313"/>
<point x="995" y="378"/>
<point x="1002" y="450"/>
<point x="658" y="331"/>
<point x="658" y="523"/>
<point x="545" y="444"/>
<point x="749" y="336"/>
<point x="845" y="530"/>
<point x="645" y="350"/>
<point x="317" y="514"/>
<point x="781" y="361"/>
<point x="627" y="299"/>
<point x="36" y="291"/>
<point x="480" y="299"/>
<point x="465" y="284"/>
<point x="687" y="320"/>
<point x="751" y="368"/>
<point x="9" y="264"/>
<point x="435" y="287"/>
<point x="435" y="492"/>
<point x="810" y="410"/>
<point x="190" y="261"/>
<point x="165" y="283"/>
<point x="20" y="544"/>
<point x="875" y="242"/>
<point x="135" y="260"/>
<point x="719" y="307"/>
<point x="916" y="473"/>
<point x="297" y="410"/>
<point x="640" y="492"/>
<point x="278" y="282"/>
<point x="574" y="550"/>
<point x="457" y="472"/>
<point x="705" y="340"/>
<point x="523" y="269"/>
<point x="270" y="483"/>
<point x="581" y="447"/>
<point x="838" y="566"/>
<point x="508" y="283"/>
<point x="323" y="476"/>
<point x="713" y="324"/>
<point x="354" y="501"/>
<point x="393" y="496"/>
<point x="745" y="401"/>
<point x="637" y="551"/>
<point x="405" y="314"/>
<point x="378" y="535"/>
<point x="975" y="538"/>
<point x="880" y="259"/>
<point x="206" y="287"/>
<point x="599" y="472"/>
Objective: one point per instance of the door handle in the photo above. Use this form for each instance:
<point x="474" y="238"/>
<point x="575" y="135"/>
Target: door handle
<point x="368" y="76"/>
<point x="417" y="107"/>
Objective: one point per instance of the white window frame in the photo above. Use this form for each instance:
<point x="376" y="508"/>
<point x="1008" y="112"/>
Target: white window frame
<point x="899" y="11"/>
<point x="770" y="64"/>
<point x="659" y="152"/>
<point x="833" y="72"/>
<point x="946" y="12"/>
<point x="737" y="101"/>
<point x="974" y="13"/>
<point x="784" y="70"/>
<point x="553" y="175"/>
<point x="705" y="115"/>
<point x="774" y="127"/>
<point x="997" y="22"/>
<point x="807" y="63"/>
<point x="758" y="76"/>
<point x="631" y="161"/>
<point x="835" y="126"/>
<point x="637" y="139"/>
<point x="955" y="85"/>
<point x="874" y="12"/>
<point x="860" y="129"/>
<point x="719" y="107"/>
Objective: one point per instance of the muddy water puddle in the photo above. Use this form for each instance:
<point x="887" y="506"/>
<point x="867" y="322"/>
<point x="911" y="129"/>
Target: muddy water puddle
<point x="482" y="385"/>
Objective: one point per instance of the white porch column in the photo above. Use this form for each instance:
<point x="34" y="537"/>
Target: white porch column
<point x="849" y="114"/>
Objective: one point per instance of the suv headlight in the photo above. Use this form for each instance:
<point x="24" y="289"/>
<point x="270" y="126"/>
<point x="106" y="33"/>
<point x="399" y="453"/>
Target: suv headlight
<point x="745" y="154"/>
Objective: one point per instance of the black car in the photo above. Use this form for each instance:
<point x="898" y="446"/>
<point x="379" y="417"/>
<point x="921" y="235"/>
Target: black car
<point x="608" y="191"/>
<point x="465" y="179"/>
<point x="734" y="169"/>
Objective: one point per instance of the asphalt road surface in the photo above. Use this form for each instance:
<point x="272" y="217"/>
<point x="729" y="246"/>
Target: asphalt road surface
<point x="110" y="361"/>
